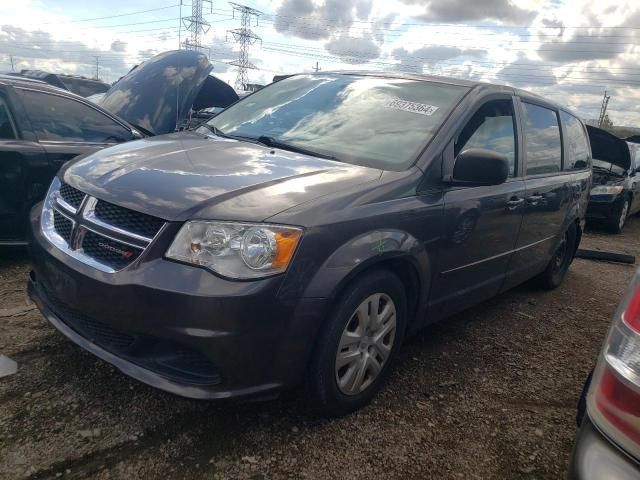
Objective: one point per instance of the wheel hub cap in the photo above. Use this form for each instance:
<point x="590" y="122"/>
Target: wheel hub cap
<point x="365" y="344"/>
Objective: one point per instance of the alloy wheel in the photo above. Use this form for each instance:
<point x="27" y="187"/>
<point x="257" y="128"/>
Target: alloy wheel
<point x="365" y="344"/>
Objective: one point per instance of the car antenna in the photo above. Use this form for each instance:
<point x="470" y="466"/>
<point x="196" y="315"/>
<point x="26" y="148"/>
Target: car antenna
<point x="177" y="107"/>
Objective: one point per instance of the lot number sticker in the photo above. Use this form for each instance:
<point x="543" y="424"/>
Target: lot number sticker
<point x="413" y="107"/>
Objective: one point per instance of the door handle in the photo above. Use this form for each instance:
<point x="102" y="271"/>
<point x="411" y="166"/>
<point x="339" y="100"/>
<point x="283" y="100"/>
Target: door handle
<point x="534" y="199"/>
<point x="514" y="203"/>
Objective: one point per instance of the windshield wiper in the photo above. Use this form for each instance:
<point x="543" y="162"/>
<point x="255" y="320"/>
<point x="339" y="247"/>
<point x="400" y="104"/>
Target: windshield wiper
<point x="146" y="132"/>
<point x="216" y="131"/>
<point x="275" y="143"/>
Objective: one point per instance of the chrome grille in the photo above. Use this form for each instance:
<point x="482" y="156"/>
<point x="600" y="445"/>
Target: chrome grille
<point x="135" y="222"/>
<point x="71" y="195"/>
<point x="110" y="252"/>
<point x="105" y="236"/>
<point x="62" y="225"/>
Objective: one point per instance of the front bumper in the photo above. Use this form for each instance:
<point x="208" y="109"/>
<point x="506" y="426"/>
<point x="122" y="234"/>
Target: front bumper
<point x="602" y="207"/>
<point x="177" y="327"/>
<point x="595" y="457"/>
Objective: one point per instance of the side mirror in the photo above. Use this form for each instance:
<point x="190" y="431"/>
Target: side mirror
<point x="477" y="166"/>
<point x="580" y="164"/>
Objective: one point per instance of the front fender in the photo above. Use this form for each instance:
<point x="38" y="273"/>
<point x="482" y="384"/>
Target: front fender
<point x="365" y="251"/>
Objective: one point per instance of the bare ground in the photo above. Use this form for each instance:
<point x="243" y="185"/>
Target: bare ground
<point x="490" y="393"/>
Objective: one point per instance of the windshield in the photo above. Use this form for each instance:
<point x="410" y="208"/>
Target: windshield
<point x="371" y="121"/>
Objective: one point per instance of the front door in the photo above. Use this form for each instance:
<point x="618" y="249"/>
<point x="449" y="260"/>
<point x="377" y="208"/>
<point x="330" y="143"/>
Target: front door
<point x="18" y="159"/>
<point x="482" y="223"/>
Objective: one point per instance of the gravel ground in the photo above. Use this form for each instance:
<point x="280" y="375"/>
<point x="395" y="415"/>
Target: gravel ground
<point x="490" y="393"/>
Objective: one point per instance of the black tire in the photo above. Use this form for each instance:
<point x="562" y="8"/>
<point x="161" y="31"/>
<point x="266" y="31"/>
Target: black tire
<point x="616" y="222"/>
<point x="557" y="267"/>
<point x="321" y="387"/>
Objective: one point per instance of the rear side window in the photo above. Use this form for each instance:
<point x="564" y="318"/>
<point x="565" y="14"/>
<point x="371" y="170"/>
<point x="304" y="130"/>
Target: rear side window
<point x="543" y="145"/>
<point x="575" y="142"/>
<point x="491" y="128"/>
<point x="57" y="118"/>
<point x="6" y="126"/>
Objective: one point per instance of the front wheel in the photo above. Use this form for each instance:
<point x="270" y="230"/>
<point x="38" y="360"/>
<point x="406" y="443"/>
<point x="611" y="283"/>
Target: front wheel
<point x="358" y="345"/>
<point x="557" y="267"/>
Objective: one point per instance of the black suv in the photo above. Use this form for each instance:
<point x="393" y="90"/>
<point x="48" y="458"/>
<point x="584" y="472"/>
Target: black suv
<point x="302" y="233"/>
<point x="41" y="128"/>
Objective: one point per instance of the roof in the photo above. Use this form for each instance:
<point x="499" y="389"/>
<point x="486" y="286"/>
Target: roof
<point x="18" y="81"/>
<point x="439" y="79"/>
<point x="405" y="75"/>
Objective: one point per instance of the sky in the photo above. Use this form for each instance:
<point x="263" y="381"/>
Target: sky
<point x="568" y="50"/>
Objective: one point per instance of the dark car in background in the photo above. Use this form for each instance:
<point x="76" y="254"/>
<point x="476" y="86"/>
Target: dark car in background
<point x="608" y="442"/>
<point x="82" y="86"/>
<point x="302" y="233"/>
<point x="616" y="180"/>
<point x="42" y="127"/>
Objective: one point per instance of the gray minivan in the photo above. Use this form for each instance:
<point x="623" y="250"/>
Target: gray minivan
<point x="300" y="235"/>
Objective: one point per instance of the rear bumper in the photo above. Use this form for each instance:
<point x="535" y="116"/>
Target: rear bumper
<point x="177" y="327"/>
<point x="596" y="458"/>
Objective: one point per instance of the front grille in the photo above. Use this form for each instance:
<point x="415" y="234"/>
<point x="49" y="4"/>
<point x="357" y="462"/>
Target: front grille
<point x="71" y="195"/>
<point x="112" y="253"/>
<point x="62" y="226"/>
<point x="129" y="220"/>
<point x="106" y="236"/>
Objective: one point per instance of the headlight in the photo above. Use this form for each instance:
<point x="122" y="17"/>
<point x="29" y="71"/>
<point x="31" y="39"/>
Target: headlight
<point x="607" y="190"/>
<point x="236" y="250"/>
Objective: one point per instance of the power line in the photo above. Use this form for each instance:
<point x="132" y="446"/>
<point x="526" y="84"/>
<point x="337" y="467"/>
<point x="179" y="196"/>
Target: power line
<point x="110" y="16"/>
<point x="245" y="37"/>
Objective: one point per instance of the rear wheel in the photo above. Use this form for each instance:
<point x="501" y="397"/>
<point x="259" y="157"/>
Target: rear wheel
<point x="358" y="345"/>
<point x="557" y="267"/>
<point x="616" y="222"/>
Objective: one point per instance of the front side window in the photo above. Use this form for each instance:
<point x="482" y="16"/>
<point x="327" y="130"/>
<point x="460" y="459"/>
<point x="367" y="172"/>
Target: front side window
<point x="56" y="118"/>
<point x="543" y="145"/>
<point x="576" y="143"/>
<point x="6" y="126"/>
<point x="366" y="120"/>
<point x="491" y="128"/>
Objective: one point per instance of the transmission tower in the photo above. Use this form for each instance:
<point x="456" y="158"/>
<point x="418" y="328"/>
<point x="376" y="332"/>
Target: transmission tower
<point x="245" y="37"/>
<point x="196" y="24"/>
<point x="603" y="109"/>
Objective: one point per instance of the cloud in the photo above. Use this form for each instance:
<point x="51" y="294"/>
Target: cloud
<point x="353" y="50"/>
<point x="311" y="21"/>
<point x="36" y="49"/>
<point x="118" y="46"/>
<point x="464" y="10"/>
<point x="221" y="53"/>
<point x="416" y="60"/>
<point x="593" y="44"/>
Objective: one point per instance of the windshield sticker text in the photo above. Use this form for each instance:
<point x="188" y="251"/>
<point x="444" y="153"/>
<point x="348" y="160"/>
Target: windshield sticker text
<point x="413" y="107"/>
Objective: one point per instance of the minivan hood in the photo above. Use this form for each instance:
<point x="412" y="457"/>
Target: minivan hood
<point x="190" y="175"/>
<point x="159" y="94"/>
<point x="607" y="147"/>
